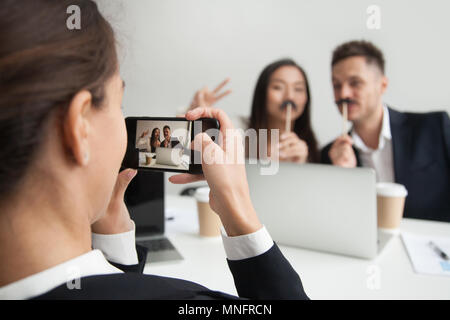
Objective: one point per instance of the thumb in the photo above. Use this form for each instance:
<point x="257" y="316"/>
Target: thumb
<point x="211" y="153"/>
<point x="201" y="141"/>
<point x="344" y="140"/>
<point x="123" y="180"/>
<point x="348" y="139"/>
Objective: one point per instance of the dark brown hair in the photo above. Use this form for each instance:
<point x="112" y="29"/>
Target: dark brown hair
<point x="359" y="48"/>
<point x="302" y="126"/>
<point x="43" y="65"/>
<point x="153" y="139"/>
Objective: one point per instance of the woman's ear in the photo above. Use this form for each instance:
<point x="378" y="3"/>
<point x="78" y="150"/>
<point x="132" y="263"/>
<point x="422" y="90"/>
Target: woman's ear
<point x="77" y="127"/>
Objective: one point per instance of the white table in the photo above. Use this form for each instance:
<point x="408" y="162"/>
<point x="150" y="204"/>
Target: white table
<point x="184" y="165"/>
<point x="324" y="276"/>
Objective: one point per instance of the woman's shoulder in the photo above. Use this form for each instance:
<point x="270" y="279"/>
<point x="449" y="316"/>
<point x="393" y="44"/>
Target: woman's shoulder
<point x="132" y="286"/>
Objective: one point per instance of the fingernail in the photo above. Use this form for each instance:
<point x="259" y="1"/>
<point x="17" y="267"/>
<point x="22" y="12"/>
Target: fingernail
<point x="131" y="174"/>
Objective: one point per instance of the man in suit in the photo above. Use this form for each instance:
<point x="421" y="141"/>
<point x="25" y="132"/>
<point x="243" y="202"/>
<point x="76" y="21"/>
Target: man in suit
<point x="408" y="148"/>
<point x="169" y="141"/>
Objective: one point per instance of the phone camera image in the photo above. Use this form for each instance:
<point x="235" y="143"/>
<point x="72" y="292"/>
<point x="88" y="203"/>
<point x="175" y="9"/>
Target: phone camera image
<point x="163" y="144"/>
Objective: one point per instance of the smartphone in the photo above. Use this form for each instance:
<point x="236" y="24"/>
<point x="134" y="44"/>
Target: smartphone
<point x="164" y="144"/>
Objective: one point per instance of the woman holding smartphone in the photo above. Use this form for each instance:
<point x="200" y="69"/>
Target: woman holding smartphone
<point x="63" y="139"/>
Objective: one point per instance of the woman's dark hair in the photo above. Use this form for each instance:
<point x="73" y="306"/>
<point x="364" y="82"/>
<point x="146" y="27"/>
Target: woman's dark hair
<point x="153" y="139"/>
<point x="43" y="65"/>
<point x="259" y="117"/>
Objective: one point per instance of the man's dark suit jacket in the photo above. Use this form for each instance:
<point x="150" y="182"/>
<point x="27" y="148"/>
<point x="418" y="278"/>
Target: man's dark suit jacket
<point x="421" y="151"/>
<point x="267" y="276"/>
<point x="172" y="144"/>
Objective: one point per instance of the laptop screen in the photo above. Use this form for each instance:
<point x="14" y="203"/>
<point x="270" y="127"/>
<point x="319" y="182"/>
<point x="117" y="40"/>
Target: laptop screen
<point x="145" y="202"/>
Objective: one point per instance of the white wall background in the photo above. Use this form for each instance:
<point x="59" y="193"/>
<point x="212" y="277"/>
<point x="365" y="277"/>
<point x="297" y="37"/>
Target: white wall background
<point x="178" y="129"/>
<point x="171" y="48"/>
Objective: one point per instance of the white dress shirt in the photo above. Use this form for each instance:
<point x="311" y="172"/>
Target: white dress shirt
<point x="380" y="159"/>
<point x="144" y="143"/>
<point x="117" y="248"/>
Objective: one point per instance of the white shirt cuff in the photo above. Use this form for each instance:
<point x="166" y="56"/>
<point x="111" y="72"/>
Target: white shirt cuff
<point x="248" y="245"/>
<point x="118" y="248"/>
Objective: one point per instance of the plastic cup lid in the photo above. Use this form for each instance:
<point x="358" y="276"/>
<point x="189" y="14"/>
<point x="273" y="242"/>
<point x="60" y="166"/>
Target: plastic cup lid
<point x="388" y="189"/>
<point x="202" y="194"/>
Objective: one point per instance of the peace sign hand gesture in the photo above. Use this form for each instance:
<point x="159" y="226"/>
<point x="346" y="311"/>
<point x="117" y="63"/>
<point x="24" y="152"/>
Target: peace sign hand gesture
<point x="207" y="98"/>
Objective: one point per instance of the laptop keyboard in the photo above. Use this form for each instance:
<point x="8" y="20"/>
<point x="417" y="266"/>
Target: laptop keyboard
<point x="157" y="244"/>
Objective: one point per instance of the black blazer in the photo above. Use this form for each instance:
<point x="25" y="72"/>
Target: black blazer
<point x="421" y="151"/>
<point x="267" y="276"/>
<point x="172" y="144"/>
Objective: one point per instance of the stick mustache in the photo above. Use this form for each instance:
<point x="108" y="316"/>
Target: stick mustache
<point x="285" y="104"/>
<point x="288" y="105"/>
<point x="347" y="101"/>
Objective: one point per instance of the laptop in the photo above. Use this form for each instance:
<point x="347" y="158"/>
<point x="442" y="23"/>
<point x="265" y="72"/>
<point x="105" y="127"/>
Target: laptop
<point x="144" y="198"/>
<point x="319" y="207"/>
<point x="169" y="156"/>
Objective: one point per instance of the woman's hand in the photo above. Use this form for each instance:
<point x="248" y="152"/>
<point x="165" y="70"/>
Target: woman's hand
<point x="116" y="219"/>
<point x="292" y="148"/>
<point x="229" y="196"/>
<point x="144" y="133"/>
<point x="156" y="144"/>
<point x="207" y="98"/>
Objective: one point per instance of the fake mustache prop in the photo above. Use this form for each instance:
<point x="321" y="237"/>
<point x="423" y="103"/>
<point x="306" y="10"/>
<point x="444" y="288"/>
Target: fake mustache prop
<point x="344" y="103"/>
<point x="288" y="105"/>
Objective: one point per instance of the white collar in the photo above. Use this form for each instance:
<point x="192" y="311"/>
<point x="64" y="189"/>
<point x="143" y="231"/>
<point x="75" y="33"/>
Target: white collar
<point x="384" y="134"/>
<point x="88" y="264"/>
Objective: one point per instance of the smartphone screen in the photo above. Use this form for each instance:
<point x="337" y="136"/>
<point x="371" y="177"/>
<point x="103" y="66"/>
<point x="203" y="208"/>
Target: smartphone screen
<point x="163" y="144"/>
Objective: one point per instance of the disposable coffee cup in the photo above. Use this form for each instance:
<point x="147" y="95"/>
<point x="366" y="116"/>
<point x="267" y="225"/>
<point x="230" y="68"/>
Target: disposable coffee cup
<point x="390" y="204"/>
<point x="148" y="159"/>
<point x="209" y="221"/>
